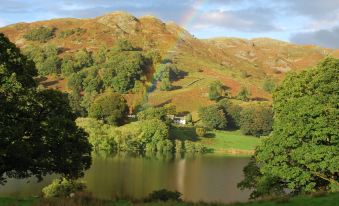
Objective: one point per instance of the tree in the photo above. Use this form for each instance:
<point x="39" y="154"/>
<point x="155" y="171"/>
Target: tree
<point x="165" y="85"/>
<point x="216" y="90"/>
<point x="45" y="58"/>
<point x="301" y="154"/>
<point x="124" y="45"/>
<point x="213" y="117"/>
<point x="233" y="113"/>
<point x="38" y="135"/>
<point x="256" y="120"/>
<point x="243" y="94"/>
<point x="122" y="70"/>
<point x="109" y="107"/>
<point x="83" y="59"/>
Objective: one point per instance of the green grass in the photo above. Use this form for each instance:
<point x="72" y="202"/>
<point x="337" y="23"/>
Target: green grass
<point x="4" y="201"/>
<point x="222" y="142"/>
<point x="323" y="200"/>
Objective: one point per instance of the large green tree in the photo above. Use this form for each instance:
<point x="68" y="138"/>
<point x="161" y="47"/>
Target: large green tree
<point x="109" y="107"/>
<point x="256" y="120"/>
<point x="122" y="70"/>
<point x="38" y="135"/>
<point x="213" y="117"/>
<point x="302" y="154"/>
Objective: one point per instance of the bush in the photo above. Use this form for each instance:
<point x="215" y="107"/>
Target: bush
<point x="243" y="94"/>
<point x="164" y="195"/>
<point x="200" y="131"/>
<point x="62" y="188"/>
<point x="256" y="120"/>
<point x="41" y="34"/>
<point x="70" y="32"/>
<point x="269" y="85"/>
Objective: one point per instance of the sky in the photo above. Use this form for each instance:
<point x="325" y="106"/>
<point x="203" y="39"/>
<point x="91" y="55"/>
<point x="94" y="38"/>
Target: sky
<point x="298" y="21"/>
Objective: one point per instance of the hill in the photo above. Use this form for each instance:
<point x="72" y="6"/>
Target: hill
<point x="235" y="62"/>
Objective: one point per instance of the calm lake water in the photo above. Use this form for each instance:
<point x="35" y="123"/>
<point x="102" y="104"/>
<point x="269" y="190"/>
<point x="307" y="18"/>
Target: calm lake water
<point x="208" y="178"/>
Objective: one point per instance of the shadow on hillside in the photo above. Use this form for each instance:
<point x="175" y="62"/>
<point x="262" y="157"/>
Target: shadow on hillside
<point x="260" y="99"/>
<point x="176" y="87"/>
<point x="49" y="83"/>
<point x="164" y="103"/>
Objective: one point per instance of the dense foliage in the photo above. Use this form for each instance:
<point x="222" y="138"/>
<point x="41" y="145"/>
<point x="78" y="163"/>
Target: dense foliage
<point x="122" y="69"/>
<point x="62" y="188"/>
<point x="45" y="58"/>
<point x="232" y="112"/>
<point x="213" y="117"/>
<point x="109" y="107"/>
<point x="301" y="155"/>
<point x="256" y="120"/>
<point x="41" y="34"/>
<point x="38" y="135"/>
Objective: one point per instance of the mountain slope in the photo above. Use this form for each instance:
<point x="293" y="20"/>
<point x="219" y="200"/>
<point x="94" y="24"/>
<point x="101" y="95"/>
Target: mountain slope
<point x="235" y="62"/>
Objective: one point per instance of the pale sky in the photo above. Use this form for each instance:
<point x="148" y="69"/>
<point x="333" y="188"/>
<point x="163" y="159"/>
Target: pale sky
<point x="299" y="21"/>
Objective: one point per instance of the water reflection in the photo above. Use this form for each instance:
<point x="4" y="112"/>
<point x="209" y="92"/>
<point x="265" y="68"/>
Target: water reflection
<point x="208" y="178"/>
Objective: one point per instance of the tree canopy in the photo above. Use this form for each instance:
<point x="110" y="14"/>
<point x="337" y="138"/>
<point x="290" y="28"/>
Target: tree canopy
<point x="38" y="135"/>
<point x="109" y="107"/>
<point x="302" y="154"/>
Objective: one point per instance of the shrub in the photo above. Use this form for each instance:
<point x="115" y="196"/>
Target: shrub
<point x="243" y="94"/>
<point x="62" y="188"/>
<point x="70" y="32"/>
<point x="200" y="131"/>
<point x="41" y="34"/>
<point x="269" y="85"/>
<point x="164" y="195"/>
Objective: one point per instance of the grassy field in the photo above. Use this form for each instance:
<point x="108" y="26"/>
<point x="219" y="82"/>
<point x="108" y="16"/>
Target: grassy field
<point x="323" y="200"/>
<point x="221" y="142"/>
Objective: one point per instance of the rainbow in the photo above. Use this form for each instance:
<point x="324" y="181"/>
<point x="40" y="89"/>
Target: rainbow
<point x="186" y="21"/>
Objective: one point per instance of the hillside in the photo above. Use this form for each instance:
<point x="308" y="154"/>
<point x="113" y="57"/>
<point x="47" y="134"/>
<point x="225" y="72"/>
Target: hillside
<point x="235" y="62"/>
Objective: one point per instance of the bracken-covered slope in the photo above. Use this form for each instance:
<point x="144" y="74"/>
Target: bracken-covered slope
<point x="235" y="62"/>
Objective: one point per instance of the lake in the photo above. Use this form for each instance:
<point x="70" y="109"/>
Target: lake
<point x="208" y="178"/>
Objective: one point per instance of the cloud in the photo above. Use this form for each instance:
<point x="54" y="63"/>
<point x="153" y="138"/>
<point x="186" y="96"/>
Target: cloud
<point x="314" y="9"/>
<point x="249" y="20"/>
<point x="324" y="38"/>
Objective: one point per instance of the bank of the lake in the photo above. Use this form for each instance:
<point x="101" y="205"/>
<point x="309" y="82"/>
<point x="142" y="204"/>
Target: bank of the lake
<point x="312" y="200"/>
<point x="219" y="142"/>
